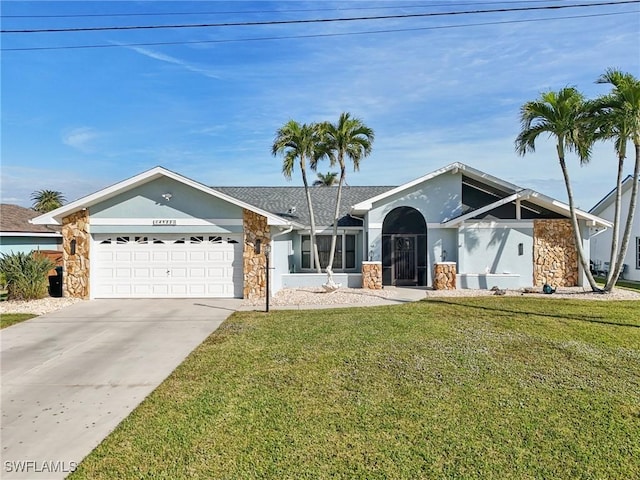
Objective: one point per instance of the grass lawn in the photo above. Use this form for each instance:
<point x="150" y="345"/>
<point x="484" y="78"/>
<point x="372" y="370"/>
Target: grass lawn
<point x="8" y="319"/>
<point x="489" y="388"/>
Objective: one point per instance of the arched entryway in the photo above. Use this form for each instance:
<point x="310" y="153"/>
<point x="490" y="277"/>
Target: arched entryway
<point x="404" y="248"/>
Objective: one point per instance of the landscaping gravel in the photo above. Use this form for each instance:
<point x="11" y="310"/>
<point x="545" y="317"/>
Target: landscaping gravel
<point x="291" y="297"/>
<point x="37" y="307"/>
<point x="357" y="296"/>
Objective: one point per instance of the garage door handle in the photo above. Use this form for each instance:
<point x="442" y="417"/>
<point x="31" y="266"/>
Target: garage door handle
<point x="168" y="273"/>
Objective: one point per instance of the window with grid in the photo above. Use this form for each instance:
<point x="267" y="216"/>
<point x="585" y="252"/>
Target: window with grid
<point x="345" y="251"/>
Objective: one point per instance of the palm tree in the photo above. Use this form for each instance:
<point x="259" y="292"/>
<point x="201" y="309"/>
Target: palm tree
<point x="326" y="180"/>
<point x="350" y="139"/>
<point x="46" y="200"/>
<point x="300" y="142"/>
<point x="617" y="117"/>
<point x="561" y="115"/>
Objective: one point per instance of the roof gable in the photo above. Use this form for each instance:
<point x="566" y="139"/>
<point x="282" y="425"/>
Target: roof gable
<point x="610" y="197"/>
<point x="511" y="192"/>
<point x="55" y="217"/>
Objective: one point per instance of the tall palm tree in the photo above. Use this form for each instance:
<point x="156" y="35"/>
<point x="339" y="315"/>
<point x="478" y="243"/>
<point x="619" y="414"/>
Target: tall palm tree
<point x="349" y="139"/>
<point x="563" y="116"/>
<point x="617" y="117"/>
<point x="46" y="200"/>
<point x="326" y="179"/>
<point x="300" y="142"/>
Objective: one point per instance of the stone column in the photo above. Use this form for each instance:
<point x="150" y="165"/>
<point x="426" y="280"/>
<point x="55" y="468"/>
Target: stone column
<point x="75" y="254"/>
<point x="254" y="264"/>
<point x="555" y="258"/>
<point x="372" y="275"/>
<point x="444" y="276"/>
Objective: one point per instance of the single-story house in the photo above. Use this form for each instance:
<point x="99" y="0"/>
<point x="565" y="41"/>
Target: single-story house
<point x="160" y="234"/>
<point x="601" y="241"/>
<point x="18" y="235"/>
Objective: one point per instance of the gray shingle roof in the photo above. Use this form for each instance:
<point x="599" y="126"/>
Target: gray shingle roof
<point x="281" y="200"/>
<point x="14" y="218"/>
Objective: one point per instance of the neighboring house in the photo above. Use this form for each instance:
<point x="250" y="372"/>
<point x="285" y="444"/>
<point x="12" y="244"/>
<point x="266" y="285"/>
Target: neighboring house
<point x="159" y="234"/>
<point x="601" y="241"/>
<point x="17" y="235"/>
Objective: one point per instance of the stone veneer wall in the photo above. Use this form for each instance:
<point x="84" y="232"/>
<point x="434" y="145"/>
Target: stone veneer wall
<point x="555" y="259"/>
<point x="254" y="264"/>
<point x="372" y="275"/>
<point x="444" y="276"/>
<point x="76" y="266"/>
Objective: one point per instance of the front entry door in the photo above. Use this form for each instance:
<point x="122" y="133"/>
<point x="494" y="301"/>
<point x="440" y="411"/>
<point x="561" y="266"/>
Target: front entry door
<point x="404" y="260"/>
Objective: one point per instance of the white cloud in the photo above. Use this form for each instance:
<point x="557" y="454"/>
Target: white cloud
<point x="176" y="61"/>
<point x="80" y="138"/>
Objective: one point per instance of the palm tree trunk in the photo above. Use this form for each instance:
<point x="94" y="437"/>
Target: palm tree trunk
<point x="611" y="281"/>
<point x="616" y="226"/>
<point x="336" y="215"/>
<point x="574" y="221"/>
<point x="314" y="243"/>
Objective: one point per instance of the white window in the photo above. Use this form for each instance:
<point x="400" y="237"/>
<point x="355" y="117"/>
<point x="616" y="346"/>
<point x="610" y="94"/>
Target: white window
<point x="345" y="252"/>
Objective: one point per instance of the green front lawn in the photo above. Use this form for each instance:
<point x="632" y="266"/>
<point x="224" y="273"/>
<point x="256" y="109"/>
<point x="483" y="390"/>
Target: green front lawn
<point x="453" y="388"/>
<point x="8" y="319"/>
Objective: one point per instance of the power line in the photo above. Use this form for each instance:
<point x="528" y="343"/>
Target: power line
<point x="296" y="10"/>
<point x="326" y="20"/>
<point x="320" y="35"/>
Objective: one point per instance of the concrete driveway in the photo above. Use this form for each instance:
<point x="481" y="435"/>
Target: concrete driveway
<point x="69" y="377"/>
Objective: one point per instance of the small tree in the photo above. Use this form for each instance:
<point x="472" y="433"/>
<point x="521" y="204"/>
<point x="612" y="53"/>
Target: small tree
<point x="326" y="179"/>
<point x="563" y="116"/>
<point x="617" y="117"/>
<point x="300" y="142"/>
<point x="46" y="200"/>
<point x="348" y="139"/>
<point x="26" y="275"/>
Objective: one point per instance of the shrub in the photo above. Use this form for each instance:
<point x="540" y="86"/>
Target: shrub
<point x="26" y="275"/>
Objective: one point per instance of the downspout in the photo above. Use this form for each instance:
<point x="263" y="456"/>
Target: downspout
<point x="284" y="232"/>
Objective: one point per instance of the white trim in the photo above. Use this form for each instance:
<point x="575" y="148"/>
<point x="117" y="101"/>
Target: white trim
<point x="533" y="196"/>
<point x="430" y="226"/>
<point x="30" y="234"/>
<point x="480" y="211"/>
<point x="55" y="217"/>
<point x="610" y="197"/>
<point x="179" y="221"/>
<point x="498" y="224"/>
<point x="453" y="168"/>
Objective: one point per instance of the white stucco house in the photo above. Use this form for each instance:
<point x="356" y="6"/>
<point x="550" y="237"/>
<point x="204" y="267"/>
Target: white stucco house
<point x="601" y="241"/>
<point x="160" y="234"/>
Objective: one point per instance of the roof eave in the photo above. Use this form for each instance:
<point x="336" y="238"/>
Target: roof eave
<point x="55" y="217"/>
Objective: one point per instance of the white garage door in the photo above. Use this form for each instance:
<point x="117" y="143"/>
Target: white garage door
<point x="166" y="266"/>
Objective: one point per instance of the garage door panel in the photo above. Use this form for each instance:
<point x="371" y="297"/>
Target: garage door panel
<point x="159" y="256"/>
<point x="178" y="256"/>
<point x="198" y="256"/>
<point x="122" y="256"/>
<point x="141" y="256"/>
<point x="141" y="273"/>
<point x="122" y="273"/>
<point x="166" y="266"/>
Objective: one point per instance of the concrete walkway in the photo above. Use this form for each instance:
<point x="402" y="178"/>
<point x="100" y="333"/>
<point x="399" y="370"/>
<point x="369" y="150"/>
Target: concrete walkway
<point x="71" y="376"/>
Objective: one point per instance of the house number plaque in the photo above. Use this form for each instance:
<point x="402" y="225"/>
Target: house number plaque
<point x="164" y="222"/>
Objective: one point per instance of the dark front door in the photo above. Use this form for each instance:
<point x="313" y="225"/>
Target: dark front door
<point x="404" y="264"/>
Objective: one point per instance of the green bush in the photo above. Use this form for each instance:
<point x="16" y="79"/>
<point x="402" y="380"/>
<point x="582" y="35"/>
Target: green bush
<point x="26" y="275"/>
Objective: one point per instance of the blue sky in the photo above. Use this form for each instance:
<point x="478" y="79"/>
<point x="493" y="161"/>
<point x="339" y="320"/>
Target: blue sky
<point x="79" y="119"/>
